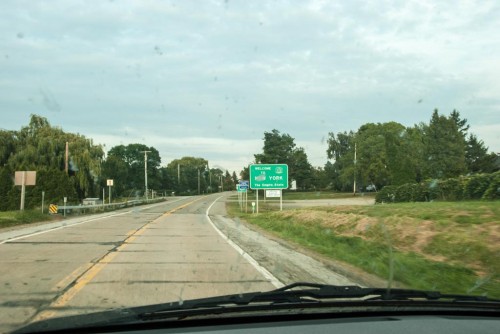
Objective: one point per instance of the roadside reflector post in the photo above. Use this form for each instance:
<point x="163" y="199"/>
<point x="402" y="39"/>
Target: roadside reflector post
<point x="43" y="199"/>
<point x="65" y="200"/>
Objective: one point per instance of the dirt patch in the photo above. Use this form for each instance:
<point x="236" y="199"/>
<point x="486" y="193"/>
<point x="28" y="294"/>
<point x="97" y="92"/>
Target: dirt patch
<point x="406" y="234"/>
<point x="492" y="233"/>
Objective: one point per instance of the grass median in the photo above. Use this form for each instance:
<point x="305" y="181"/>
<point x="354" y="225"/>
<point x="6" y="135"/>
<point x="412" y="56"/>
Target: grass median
<point x="447" y="246"/>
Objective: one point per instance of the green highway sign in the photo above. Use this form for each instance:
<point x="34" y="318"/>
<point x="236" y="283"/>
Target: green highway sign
<point x="270" y="176"/>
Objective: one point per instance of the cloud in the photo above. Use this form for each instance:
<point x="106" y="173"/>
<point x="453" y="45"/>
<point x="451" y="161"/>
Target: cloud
<point x="175" y="72"/>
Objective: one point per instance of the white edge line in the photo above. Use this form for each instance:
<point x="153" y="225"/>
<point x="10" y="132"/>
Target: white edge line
<point x="274" y="281"/>
<point x="78" y="223"/>
<point x="59" y="227"/>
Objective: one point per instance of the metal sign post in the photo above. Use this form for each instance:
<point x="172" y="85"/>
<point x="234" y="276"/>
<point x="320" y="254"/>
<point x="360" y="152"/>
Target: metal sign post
<point x="242" y="188"/>
<point x="274" y="193"/>
<point x="257" y="200"/>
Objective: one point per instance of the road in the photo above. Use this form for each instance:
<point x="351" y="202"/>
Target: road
<point x="171" y="251"/>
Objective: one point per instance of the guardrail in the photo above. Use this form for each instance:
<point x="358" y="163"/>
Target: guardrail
<point x="84" y="209"/>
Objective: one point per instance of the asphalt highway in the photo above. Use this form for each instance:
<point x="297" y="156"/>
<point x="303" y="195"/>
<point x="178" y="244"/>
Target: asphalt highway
<point x="157" y="253"/>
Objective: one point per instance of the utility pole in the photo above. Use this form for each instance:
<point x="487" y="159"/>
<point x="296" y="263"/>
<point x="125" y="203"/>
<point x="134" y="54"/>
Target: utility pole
<point x="354" y="186"/>
<point x="209" y="177"/>
<point x="146" y="171"/>
<point x="66" y="160"/>
<point x="178" y="173"/>
<point x="198" y="181"/>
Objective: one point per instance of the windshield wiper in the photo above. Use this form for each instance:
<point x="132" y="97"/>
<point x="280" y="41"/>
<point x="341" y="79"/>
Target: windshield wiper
<point x="299" y="293"/>
<point x="290" y="296"/>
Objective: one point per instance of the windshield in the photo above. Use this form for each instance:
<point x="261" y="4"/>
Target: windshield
<point x="161" y="151"/>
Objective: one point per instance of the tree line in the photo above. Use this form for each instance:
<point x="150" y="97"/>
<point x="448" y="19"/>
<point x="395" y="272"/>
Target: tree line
<point x="392" y="154"/>
<point x="380" y="154"/>
<point x="376" y="155"/>
<point x="41" y="147"/>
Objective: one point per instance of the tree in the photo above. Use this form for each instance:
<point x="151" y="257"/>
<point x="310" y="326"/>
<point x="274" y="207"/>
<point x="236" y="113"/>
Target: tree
<point x="341" y="150"/>
<point x="116" y="169"/>
<point x="301" y="169"/>
<point x="7" y="146"/>
<point x="186" y="172"/>
<point x="461" y="124"/>
<point x="217" y="175"/>
<point x="444" y="147"/>
<point x="281" y="148"/>
<point x="6" y="185"/>
<point x="41" y="147"/>
<point x="229" y="183"/>
<point x="387" y="153"/>
<point x="245" y="173"/>
<point x="321" y="179"/>
<point x="278" y="148"/>
<point x="132" y="158"/>
<point x="477" y="158"/>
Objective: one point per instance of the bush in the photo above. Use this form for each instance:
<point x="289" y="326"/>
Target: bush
<point x="404" y="193"/>
<point x="481" y="186"/>
<point x="386" y="195"/>
<point x="451" y="189"/>
<point x="476" y="186"/>
<point x="493" y="191"/>
<point x="419" y="193"/>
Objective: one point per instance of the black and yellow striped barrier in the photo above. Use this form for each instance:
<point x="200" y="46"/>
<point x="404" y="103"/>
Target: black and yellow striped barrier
<point x="52" y="208"/>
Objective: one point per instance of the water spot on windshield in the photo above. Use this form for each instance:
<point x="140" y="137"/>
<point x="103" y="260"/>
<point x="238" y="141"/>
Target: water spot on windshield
<point x="20" y="35"/>
<point x="158" y="50"/>
<point x="49" y="101"/>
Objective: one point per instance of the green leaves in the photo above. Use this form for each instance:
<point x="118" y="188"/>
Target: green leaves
<point x="125" y="165"/>
<point x="444" y="147"/>
<point x="391" y="154"/>
<point x="473" y="187"/>
<point x="42" y="148"/>
<point x="281" y="149"/>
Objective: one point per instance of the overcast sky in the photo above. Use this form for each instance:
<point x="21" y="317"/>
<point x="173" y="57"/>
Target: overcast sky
<point x="207" y="78"/>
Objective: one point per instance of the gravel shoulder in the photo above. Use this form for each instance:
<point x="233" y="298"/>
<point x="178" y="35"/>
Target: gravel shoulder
<point x="287" y="261"/>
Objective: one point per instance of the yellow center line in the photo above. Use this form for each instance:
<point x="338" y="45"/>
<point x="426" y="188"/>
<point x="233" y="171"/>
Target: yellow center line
<point x="92" y="272"/>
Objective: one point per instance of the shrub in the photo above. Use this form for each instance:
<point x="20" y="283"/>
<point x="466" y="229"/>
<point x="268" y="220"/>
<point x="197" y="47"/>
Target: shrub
<point x="452" y="189"/>
<point x="493" y="191"/>
<point x="480" y="186"/>
<point x="386" y="195"/>
<point x="476" y="186"/>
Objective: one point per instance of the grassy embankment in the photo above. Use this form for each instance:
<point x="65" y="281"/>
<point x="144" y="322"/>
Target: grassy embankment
<point x="12" y="218"/>
<point x="448" y="246"/>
